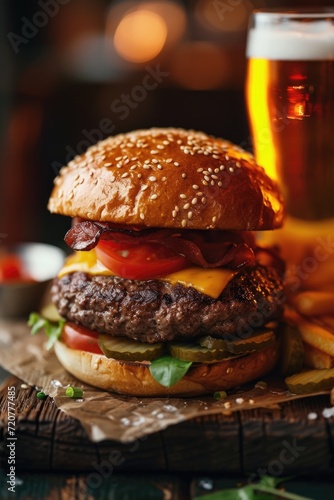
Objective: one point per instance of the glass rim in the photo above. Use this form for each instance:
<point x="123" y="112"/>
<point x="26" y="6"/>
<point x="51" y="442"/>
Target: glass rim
<point x="295" y="13"/>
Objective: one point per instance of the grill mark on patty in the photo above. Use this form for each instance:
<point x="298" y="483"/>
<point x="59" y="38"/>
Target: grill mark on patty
<point x="154" y="310"/>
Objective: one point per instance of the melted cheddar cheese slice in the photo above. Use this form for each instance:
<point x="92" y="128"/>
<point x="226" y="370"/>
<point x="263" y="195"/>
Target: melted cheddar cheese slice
<point x="209" y="281"/>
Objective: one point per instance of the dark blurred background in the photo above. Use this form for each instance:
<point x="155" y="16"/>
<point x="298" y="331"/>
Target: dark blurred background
<point x="76" y="71"/>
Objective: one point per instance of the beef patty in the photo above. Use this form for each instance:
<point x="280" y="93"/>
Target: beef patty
<point x="154" y="310"/>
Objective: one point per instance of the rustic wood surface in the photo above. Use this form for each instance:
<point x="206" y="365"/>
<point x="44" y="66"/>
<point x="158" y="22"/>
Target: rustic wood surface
<point x="56" y="460"/>
<point x="281" y="441"/>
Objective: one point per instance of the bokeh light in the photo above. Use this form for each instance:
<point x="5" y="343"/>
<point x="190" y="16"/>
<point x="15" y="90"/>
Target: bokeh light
<point x="140" y="36"/>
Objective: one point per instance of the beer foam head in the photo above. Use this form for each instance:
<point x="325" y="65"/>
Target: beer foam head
<point x="281" y="38"/>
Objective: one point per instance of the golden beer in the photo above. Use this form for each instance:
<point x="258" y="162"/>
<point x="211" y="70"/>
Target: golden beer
<point x="290" y="101"/>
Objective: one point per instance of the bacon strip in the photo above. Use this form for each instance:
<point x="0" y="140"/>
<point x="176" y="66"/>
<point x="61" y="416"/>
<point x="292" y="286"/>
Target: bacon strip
<point x="208" y="249"/>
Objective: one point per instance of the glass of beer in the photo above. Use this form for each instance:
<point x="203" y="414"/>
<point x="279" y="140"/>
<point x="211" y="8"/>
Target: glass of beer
<point x="290" y="101"/>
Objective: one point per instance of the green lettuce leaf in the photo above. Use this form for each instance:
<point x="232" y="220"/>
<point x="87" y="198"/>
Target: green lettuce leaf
<point x="167" y="370"/>
<point x="52" y="330"/>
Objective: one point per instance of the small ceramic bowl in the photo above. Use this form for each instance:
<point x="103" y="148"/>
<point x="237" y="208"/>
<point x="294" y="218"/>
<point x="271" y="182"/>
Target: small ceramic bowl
<point x="41" y="263"/>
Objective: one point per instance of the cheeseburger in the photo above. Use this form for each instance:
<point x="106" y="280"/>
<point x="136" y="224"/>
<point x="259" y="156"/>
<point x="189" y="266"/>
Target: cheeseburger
<point x="167" y="291"/>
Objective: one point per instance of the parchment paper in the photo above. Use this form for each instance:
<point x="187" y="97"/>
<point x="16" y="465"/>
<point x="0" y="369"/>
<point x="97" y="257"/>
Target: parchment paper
<point x="109" y="416"/>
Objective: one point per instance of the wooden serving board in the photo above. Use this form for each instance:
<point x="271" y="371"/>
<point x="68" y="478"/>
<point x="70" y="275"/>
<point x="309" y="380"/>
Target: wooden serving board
<point x="280" y="441"/>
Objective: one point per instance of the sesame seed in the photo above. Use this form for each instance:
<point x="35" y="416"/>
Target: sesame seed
<point x="212" y="183"/>
<point x="152" y="178"/>
<point x="186" y="206"/>
<point x="142" y="216"/>
<point x="216" y="157"/>
<point x="194" y="201"/>
<point x="214" y="219"/>
<point x="119" y="165"/>
<point x="169" y="160"/>
<point x="184" y="176"/>
<point x="200" y="170"/>
<point x="174" y="213"/>
<point x="206" y="172"/>
<point x="154" y="160"/>
<point x="210" y="170"/>
<point x="125" y="175"/>
<point x="165" y="143"/>
<point x="195" y="186"/>
<point x="231" y="169"/>
<point x="108" y="164"/>
<point x="154" y="151"/>
<point x="238" y="164"/>
<point x="222" y="167"/>
<point x="154" y="196"/>
<point x="164" y="179"/>
<point x="239" y="401"/>
<point x="160" y="146"/>
<point x="184" y="223"/>
<point x="118" y="158"/>
<point x="176" y="208"/>
<point x="144" y="187"/>
<point x="190" y="214"/>
<point x="207" y="178"/>
<point x="203" y="200"/>
<point x="213" y="176"/>
<point x="147" y="161"/>
<point x="159" y="167"/>
<point x="139" y="176"/>
<point x="205" y="183"/>
<point x="227" y="157"/>
<point x="183" y="196"/>
<point x="126" y="161"/>
<point x="199" y="193"/>
<point x="220" y="184"/>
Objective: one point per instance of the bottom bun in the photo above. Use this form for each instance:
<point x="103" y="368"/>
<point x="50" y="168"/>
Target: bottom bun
<point x="135" y="379"/>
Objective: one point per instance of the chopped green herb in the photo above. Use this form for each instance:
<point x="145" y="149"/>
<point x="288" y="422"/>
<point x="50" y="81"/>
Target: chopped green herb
<point x="167" y="371"/>
<point x="52" y="330"/>
<point x="41" y="395"/>
<point x="220" y="395"/>
<point x="74" y="392"/>
<point x="265" y="489"/>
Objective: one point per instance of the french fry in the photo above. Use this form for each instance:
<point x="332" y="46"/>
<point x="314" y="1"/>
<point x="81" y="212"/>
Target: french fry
<point x="315" y="335"/>
<point x="314" y="358"/>
<point x="314" y="303"/>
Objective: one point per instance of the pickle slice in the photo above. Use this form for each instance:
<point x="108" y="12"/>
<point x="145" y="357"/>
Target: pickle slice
<point x="196" y="353"/>
<point x="256" y="342"/>
<point x="311" y="381"/>
<point x="212" y="342"/>
<point x="50" y="313"/>
<point x="292" y="350"/>
<point x="129" y="350"/>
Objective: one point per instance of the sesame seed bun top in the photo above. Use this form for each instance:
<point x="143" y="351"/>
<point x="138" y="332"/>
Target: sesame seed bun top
<point x="170" y="178"/>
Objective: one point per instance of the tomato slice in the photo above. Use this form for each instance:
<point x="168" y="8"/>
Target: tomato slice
<point x="143" y="261"/>
<point x="79" y="337"/>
